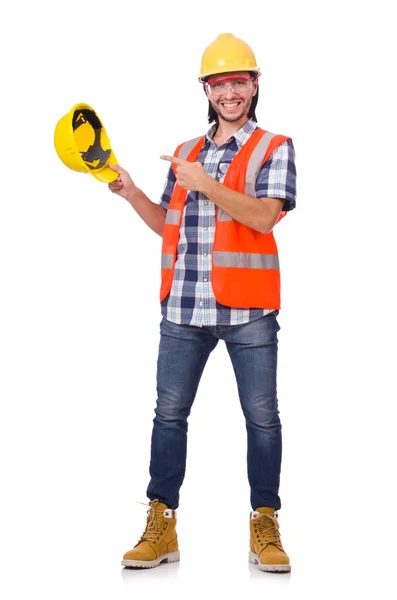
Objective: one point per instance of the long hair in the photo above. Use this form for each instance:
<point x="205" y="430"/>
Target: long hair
<point x="213" y="116"/>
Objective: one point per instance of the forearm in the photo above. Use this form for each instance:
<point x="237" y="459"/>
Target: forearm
<point x="152" y="214"/>
<point x="257" y="213"/>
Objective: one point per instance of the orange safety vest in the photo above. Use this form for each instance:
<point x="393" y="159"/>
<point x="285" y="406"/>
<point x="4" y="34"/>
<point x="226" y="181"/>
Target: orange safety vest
<point x="245" y="264"/>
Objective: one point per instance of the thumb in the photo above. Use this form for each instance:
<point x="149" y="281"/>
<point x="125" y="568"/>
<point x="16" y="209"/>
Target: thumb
<point x="116" y="168"/>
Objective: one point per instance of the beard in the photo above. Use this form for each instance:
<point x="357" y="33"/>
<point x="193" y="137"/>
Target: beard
<point x="241" y="111"/>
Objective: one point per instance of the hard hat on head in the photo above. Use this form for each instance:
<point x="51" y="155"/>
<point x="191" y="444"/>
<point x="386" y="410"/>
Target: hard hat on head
<point x="227" y="54"/>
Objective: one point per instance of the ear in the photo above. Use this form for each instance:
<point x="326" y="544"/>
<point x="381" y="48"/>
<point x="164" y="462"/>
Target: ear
<point x="255" y="86"/>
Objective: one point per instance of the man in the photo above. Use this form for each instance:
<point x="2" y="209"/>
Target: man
<point x="220" y="281"/>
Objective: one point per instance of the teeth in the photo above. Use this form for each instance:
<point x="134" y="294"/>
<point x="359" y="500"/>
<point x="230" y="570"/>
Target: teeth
<point x="230" y="105"/>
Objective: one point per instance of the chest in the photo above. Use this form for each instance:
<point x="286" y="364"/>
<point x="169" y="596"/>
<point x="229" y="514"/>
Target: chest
<point x="217" y="160"/>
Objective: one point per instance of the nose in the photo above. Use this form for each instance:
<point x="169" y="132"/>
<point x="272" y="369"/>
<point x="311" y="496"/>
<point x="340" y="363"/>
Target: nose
<point x="229" y="92"/>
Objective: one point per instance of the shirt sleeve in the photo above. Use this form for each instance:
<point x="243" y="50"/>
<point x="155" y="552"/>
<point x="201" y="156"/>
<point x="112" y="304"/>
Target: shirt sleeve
<point x="277" y="177"/>
<point x="168" y="188"/>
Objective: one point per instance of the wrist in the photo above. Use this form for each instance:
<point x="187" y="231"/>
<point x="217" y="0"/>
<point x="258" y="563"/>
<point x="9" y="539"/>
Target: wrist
<point x="206" y="185"/>
<point x="132" y="195"/>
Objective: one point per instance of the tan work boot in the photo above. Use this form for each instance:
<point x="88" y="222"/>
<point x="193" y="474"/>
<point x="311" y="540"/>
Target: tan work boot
<point x="158" y="542"/>
<point x="266" y="549"/>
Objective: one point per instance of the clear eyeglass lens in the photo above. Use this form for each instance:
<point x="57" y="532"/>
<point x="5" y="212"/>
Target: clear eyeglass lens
<point x="237" y="86"/>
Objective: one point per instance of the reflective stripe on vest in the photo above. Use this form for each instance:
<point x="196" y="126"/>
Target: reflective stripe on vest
<point x="255" y="163"/>
<point x="246" y="260"/>
<point x="173" y="216"/>
<point x="187" y="147"/>
<point x="254" y="166"/>
<point x="167" y="261"/>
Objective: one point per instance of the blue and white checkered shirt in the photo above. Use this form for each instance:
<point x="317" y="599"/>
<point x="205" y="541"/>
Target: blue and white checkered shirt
<point x="191" y="300"/>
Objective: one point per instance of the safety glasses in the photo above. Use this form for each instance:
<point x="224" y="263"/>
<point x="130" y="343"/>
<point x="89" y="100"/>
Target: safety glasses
<point x="238" y="85"/>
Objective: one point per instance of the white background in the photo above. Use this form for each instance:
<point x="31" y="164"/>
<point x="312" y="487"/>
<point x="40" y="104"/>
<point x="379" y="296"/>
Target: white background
<point x="80" y="313"/>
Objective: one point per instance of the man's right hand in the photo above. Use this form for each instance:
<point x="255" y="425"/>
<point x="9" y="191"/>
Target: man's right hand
<point x="123" y="185"/>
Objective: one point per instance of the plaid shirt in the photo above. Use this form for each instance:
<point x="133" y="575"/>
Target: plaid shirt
<point x="191" y="300"/>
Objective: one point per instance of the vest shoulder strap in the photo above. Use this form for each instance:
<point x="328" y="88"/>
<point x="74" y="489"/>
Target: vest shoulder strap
<point x="274" y="142"/>
<point x="261" y="153"/>
<point x="185" y="149"/>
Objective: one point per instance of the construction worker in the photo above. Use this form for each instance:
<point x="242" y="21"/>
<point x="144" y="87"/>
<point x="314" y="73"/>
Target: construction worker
<point x="224" y="193"/>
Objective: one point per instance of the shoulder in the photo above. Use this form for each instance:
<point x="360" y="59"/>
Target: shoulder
<point x="273" y="146"/>
<point x="185" y="148"/>
<point x="285" y="144"/>
<point x="279" y="138"/>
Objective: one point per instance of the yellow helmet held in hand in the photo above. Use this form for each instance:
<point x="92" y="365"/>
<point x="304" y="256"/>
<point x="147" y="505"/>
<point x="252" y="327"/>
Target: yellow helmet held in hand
<point x="82" y="144"/>
<point x="226" y="54"/>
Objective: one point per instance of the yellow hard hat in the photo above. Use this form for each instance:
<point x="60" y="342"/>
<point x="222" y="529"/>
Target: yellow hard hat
<point x="226" y="54"/>
<point x="82" y="144"/>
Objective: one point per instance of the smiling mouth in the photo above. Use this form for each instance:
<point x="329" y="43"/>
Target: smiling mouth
<point x="230" y="105"/>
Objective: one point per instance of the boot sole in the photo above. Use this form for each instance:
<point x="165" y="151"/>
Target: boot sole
<point x="149" y="564"/>
<point x="253" y="558"/>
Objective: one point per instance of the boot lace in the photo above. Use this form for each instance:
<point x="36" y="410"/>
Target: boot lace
<point x="154" y="524"/>
<point x="267" y="530"/>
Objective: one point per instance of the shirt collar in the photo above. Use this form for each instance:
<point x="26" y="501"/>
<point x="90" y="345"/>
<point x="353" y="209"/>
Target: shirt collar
<point x="241" y="136"/>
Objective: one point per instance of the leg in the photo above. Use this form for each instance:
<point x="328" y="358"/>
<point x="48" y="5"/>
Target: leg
<point x="183" y="353"/>
<point x="253" y="352"/>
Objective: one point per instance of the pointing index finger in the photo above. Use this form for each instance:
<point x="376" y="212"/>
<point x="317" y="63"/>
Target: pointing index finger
<point x="173" y="159"/>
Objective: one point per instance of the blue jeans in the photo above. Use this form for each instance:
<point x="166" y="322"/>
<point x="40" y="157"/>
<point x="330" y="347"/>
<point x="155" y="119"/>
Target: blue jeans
<point x="183" y="353"/>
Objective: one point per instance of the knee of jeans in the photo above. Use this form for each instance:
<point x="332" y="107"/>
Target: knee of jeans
<point x="171" y="407"/>
<point x="263" y="413"/>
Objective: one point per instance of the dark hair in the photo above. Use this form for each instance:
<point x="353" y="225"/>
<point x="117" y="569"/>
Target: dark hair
<point x="213" y="116"/>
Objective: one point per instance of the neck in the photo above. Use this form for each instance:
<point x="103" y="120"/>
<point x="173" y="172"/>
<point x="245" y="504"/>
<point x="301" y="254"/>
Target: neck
<point x="226" y="128"/>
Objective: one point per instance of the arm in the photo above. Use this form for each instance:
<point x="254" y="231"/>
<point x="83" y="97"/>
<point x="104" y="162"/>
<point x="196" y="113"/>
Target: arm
<point x="275" y="189"/>
<point x="152" y="214"/>
<point x="260" y="214"/>
<point x="277" y="177"/>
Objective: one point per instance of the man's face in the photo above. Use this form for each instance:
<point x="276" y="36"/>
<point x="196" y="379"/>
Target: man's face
<point x="231" y="103"/>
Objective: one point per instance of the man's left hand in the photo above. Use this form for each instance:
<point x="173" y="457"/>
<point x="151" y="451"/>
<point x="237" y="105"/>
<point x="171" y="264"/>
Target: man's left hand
<point x="189" y="175"/>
